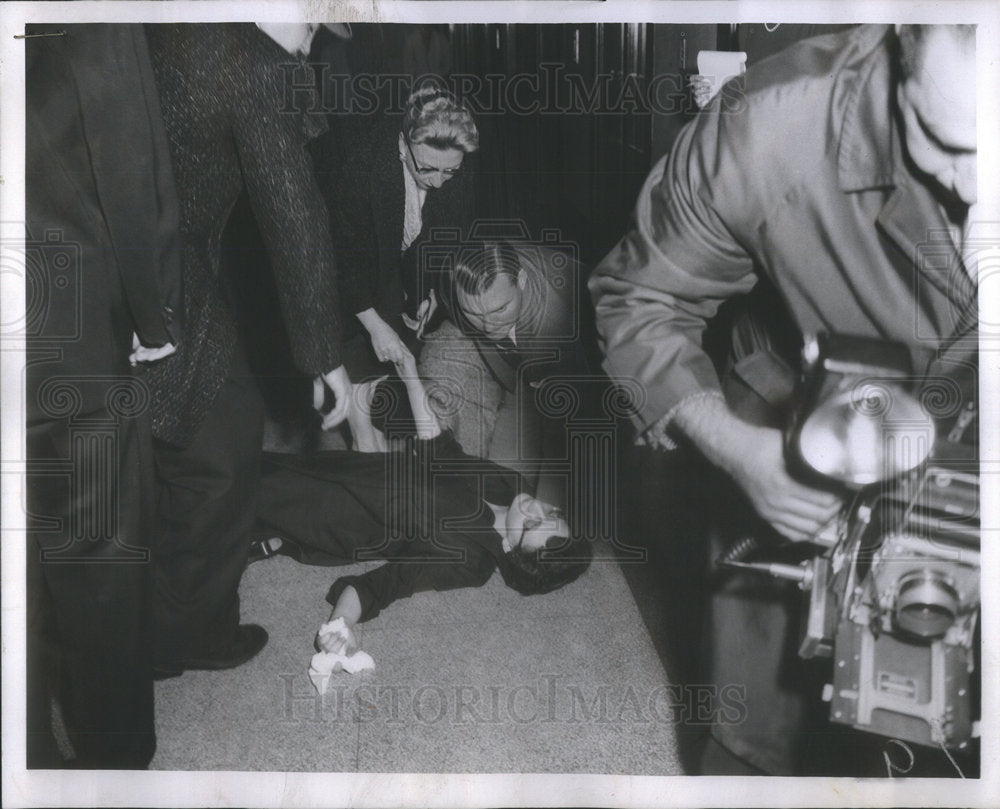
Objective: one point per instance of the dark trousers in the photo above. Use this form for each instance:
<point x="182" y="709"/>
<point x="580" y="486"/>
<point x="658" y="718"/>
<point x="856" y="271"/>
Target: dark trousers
<point x="89" y="681"/>
<point x="206" y="508"/>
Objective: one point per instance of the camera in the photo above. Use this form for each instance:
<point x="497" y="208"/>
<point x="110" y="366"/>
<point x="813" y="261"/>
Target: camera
<point x="893" y="597"/>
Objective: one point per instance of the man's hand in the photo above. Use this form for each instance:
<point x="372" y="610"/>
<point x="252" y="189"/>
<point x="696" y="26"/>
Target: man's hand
<point x="348" y="607"/>
<point x="753" y="456"/>
<point x="701" y="88"/>
<point x="340" y="384"/>
<point x="141" y="353"/>
<point x="796" y="511"/>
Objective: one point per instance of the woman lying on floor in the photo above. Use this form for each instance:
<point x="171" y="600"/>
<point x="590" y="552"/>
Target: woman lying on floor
<point x="441" y="519"/>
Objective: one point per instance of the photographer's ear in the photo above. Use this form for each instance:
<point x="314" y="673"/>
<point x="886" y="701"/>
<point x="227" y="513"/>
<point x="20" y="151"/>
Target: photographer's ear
<point x="522" y="278"/>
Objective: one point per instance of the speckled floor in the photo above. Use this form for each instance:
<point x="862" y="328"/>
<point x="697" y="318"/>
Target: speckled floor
<point x="481" y="680"/>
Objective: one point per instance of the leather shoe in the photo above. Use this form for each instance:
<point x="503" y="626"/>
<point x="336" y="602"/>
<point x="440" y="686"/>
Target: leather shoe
<point x="261" y="549"/>
<point x="249" y="640"/>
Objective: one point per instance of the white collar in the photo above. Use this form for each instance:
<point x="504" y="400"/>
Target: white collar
<point x="295" y="37"/>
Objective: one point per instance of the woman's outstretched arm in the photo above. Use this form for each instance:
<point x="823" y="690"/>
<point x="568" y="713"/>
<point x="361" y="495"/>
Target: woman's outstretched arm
<point x="427" y="425"/>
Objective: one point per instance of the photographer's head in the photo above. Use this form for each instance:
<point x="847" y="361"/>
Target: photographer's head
<point x="438" y="131"/>
<point x="489" y="287"/>
<point x="936" y="97"/>
<point x="540" y="553"/>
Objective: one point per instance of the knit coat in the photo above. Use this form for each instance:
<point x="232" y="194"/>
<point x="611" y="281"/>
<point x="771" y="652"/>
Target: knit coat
<point x="231" y="125"/>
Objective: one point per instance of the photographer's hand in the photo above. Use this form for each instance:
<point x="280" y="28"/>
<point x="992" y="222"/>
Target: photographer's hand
<point x="753" y="457"/>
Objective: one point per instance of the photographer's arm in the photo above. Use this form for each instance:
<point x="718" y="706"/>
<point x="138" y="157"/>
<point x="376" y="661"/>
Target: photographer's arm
<point x="753" y="457"/>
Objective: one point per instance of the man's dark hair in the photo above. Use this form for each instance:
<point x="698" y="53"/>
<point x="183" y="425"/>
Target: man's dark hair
<point x="562" y="560"/>
<point x="478" y="264"/>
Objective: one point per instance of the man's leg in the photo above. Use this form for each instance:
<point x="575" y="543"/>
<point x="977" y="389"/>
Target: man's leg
<point x="462" y="393"/>
<point x="752" y="653"/>
<point x="90" y="688"/>
<point x="207" y="504"/>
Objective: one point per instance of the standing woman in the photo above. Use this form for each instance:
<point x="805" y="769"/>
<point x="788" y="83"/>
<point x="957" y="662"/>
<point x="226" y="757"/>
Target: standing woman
<point x="388" y="183"/>
<point x="220" y="89"/>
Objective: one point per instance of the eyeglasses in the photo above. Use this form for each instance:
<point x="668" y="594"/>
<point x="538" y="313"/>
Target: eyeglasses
<point x="424" y="171"/>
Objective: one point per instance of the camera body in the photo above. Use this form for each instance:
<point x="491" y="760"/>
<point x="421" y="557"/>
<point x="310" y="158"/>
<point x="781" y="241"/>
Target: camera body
<point x="893" y="599"/>
<point x="895" y="605"/>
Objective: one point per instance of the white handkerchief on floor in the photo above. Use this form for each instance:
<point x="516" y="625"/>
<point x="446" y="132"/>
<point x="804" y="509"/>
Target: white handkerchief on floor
<point x="323" y="664"/>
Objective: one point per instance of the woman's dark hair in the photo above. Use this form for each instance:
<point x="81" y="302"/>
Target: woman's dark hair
<point x="562" y="560"/>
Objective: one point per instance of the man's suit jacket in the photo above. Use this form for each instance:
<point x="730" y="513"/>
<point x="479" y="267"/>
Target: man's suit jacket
<point x="103" y="255"/>
<point x="522" y="394"/>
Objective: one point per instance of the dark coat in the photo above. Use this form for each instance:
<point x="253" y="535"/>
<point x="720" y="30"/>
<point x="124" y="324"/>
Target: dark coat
<point x="421" y="509"/>
<point x="361" y="177"/>
<point x="103" y="256"/>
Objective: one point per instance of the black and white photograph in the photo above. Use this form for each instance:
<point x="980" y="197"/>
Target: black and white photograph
<point x="500" y="404"/>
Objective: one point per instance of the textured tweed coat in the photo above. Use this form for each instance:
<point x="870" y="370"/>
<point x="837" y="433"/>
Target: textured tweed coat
<point x="221" y="90"/>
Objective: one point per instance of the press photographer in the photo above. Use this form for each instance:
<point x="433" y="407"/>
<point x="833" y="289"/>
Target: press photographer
<point x="851" y="164"/>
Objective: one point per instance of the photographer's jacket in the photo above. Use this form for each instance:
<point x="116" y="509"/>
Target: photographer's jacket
<point x="803" y="179"/>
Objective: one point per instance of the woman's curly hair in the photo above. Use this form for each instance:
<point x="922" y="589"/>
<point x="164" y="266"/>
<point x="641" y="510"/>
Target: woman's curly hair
<point x="436" y="118"/>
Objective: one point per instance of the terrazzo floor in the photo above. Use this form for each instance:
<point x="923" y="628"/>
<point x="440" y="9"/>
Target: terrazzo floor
<point x="469" y="681"/>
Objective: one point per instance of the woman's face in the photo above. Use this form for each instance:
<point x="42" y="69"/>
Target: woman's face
<point x="530" y="523"/>
<point x="431" y="168"/>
